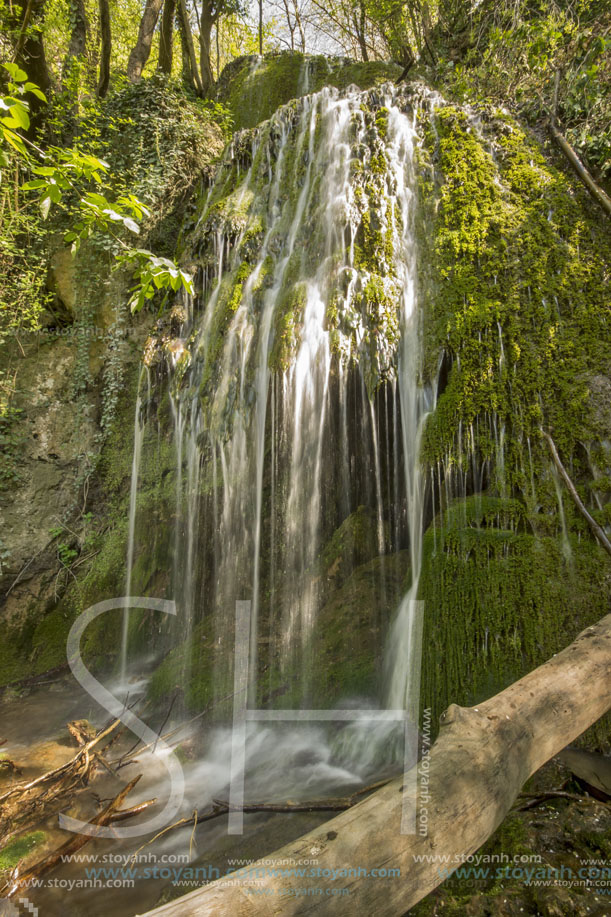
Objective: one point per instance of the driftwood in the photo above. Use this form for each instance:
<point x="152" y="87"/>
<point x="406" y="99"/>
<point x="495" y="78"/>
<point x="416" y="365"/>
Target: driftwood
<point x="78" y="766"/>
<point x="475" y="770"/>
<point x="595" y="528"/>
<point x="20" y="880"/>
<point x="591" y="769"/>
<point x="24" y="804"/>
<point x="569" y="153"/>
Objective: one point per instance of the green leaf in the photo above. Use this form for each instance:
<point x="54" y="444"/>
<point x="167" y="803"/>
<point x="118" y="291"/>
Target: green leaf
<point x="15" y="141"/>
<point x="96" y="200"/>
<point x="15" y="72"/>
<point x="20" y="114"/>
<point x="45" y="206"/>
<point x="131" y="224"/>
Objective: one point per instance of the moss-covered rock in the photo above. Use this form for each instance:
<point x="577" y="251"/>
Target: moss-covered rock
<point x="500" y="600"/>
<point x="514" y="295"/>
<point x="355" y="542"/>
<point x="255" y="87"/>
<point x="343" y="657"/>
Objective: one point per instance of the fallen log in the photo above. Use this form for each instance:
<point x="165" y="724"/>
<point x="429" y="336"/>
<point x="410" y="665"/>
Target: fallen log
<point x="476" y="768"/>
<point x="591" y="769"/>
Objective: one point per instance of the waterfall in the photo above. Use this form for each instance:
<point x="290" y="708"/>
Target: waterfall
<point x="131" y="531"/>
<point x="296" y="399"/>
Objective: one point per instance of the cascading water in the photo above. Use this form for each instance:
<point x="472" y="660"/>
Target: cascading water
<point x="131" y="535"/>
<point x="295" y="395"/>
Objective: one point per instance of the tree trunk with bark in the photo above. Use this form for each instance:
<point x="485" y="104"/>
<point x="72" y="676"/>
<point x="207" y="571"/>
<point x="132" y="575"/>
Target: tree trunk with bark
<point x="205" y="36"/>
<point x="190" y="72"/>
<point x="106" y="51"/>
<point x="141" y="52"/>
<point x="475" y="770"/>
<point x="30" y="51"/>
<point x="166" y="37"/>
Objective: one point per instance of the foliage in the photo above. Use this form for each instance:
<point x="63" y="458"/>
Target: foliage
<point x="153" y="274"/>
<point x="532" y="57"/>
<point x="63" y="174"/>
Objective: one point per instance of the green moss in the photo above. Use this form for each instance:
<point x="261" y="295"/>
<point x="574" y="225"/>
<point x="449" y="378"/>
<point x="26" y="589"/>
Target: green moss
<point x="19" y="848"/>
<point x="499" y="600"/>
<point x="12" y="663"/>
<point x="347" y="650"/>
<point x="382" y="122"/>
<point x="514" y="294"/>
<point x="287" y="323"/>
<point x="254" y="88"/>
<point x="193" y="666"/>
<point x="354" y="543"/>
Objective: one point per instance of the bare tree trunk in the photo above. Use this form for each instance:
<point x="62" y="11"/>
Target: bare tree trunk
<point x="298" y="20"/>
<point x="205" y="33"/>
<point x="217" y="39"/>
<point x="106" y="51"/>
<point x="360" y="28"/>
<point x="141" y="51"/>
<point x="190" y="73"/>
<point x="475" y="770"/>
<point x="166" y="37"/>
<point x="290" y="24"/>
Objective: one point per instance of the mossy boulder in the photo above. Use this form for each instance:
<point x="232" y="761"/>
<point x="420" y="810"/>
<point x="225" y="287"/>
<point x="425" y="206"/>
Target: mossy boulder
<point x="499" y="599"/>
<point x="254" y="87"/>
<point x="355" y="542"/>
<point x="343" y="657"/>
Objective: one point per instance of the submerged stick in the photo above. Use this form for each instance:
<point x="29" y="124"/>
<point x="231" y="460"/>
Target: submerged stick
<point x="220" y="807"/>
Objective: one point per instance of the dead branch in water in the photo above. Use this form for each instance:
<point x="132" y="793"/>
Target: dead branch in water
<point x="25" y="803"/>
<point x="220" y="807"/>
<point x="20" y="881"/>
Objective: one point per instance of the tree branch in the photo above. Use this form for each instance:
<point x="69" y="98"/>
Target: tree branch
<point x="595" y="528"/>
<point x="595" y="190"/>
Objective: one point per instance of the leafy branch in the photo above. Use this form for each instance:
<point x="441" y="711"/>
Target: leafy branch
<point x="64" y="171"/>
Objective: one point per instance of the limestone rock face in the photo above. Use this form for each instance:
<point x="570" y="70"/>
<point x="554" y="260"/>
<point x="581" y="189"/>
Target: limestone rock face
<point x="61" y="280"/>
<point x="55" y="433"/>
